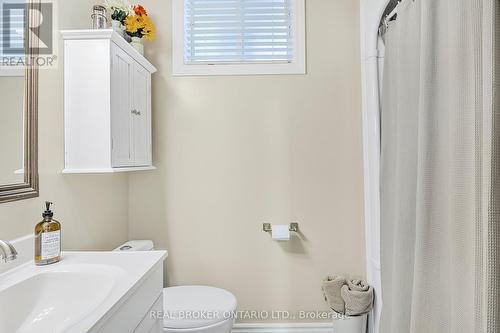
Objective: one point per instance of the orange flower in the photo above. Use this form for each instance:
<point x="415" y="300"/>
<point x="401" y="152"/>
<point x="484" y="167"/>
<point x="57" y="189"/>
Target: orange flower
<point x="139" y="10"/>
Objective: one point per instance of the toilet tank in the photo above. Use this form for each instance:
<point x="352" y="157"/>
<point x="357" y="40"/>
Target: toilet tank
<point x="136" y="245"/>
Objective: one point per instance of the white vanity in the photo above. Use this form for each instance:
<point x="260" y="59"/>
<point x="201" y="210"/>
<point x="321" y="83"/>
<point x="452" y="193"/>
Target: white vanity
<point x="85" y="292"/>
<point x="107" y="104"/>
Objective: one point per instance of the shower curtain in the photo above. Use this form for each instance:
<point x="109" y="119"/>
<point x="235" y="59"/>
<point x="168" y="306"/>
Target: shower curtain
<point x="440" y="145"/>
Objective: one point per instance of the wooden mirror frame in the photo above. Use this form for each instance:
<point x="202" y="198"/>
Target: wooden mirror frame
<point x="29" y="188"/>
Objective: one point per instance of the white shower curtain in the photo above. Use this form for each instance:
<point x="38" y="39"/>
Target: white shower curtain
<point x="440" y="145"/>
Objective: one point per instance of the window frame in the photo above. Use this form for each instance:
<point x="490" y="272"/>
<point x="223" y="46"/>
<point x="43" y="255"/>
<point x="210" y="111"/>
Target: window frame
<point x="296" y="66"/>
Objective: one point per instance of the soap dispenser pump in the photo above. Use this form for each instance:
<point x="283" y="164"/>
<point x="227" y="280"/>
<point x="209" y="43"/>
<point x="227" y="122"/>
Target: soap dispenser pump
<point x="47" y="238"/>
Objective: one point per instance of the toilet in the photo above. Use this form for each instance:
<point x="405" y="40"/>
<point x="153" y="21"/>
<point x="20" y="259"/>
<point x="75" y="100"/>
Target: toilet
<point x="192" y="309"/>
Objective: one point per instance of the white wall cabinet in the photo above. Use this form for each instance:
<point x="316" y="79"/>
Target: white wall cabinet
<point x="107" y="104"/>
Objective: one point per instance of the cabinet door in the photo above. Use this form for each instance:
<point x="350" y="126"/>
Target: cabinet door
<point x="121" y="108"/>
<point x="141" y="116"/>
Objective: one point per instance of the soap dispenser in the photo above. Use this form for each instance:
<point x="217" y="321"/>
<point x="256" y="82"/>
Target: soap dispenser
<point x="47" y="239"/>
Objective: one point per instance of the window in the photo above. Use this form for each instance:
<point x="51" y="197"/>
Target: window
<point x="12" y="37"/>
<point x="237" y="37"/>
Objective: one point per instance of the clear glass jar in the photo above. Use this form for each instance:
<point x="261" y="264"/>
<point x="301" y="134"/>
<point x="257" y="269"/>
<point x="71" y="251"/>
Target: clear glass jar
<point x="99" y="19"/>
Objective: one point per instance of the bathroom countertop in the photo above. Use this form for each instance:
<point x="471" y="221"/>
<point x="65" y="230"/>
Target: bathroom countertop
<point x="122" y="273"/>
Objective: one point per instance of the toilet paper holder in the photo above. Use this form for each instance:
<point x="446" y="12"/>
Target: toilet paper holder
<point x="294" y="227"/>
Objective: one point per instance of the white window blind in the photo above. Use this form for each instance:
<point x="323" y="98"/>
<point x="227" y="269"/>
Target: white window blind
<point x="12" y="29"/>
<point x="238" y="31"/>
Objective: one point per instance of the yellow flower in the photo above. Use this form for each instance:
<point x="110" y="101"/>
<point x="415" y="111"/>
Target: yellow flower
<point x="140" y="26"/>
<point x="133" y="23"/>
<point x="150" y="34"/>
<point x="149" y="29"/>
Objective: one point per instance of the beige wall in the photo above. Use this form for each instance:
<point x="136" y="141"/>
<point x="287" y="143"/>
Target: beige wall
<point x="233" y="152"/>
<point x="92" y="208"/>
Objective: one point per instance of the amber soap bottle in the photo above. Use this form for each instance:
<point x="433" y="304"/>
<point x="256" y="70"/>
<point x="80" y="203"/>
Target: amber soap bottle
<point x="47" y="239"/>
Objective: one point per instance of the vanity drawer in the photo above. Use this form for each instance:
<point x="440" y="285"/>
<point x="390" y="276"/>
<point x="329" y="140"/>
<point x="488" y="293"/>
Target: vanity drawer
<point x="149" y="324"/>
<point x="131" y="312"/>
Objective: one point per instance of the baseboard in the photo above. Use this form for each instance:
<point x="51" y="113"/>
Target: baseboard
<point x="321" y="327"/>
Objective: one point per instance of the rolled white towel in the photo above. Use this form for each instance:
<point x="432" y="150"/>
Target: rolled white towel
<point x="332" y="287"/>
<point x="358" y="297"/>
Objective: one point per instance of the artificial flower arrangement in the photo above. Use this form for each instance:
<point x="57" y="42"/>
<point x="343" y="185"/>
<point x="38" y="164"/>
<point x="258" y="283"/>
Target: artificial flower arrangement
<point x="139" y="24"/>
<point x="119" y="9"/>
<point x="135" y="20"/>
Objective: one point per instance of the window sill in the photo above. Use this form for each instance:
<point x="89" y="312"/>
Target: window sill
<point x="182" y="69"/>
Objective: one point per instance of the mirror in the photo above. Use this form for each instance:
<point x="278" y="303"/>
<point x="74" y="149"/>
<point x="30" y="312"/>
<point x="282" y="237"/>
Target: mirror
<point x="18" y="114"/>
<point x="12" y="129"/>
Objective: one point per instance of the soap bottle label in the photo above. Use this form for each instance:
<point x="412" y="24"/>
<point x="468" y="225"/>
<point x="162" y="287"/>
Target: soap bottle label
<point x="51" y="244"/>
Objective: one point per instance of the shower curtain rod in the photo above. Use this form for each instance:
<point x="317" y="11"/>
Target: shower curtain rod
<point x="390" y="13"/>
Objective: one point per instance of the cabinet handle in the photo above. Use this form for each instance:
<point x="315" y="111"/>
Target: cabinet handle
<point x="137" y="113"/>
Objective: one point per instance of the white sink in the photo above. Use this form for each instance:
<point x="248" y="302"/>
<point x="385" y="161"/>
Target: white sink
<point x="72" y="295"/>
<point x="53" y="299"/>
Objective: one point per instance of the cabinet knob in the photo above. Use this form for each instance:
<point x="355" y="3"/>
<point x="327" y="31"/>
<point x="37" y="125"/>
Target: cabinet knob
<point x="137" y="113"/>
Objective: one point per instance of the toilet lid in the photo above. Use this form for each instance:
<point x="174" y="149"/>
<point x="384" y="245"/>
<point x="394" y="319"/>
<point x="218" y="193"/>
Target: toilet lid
<point x="196" y="306"/>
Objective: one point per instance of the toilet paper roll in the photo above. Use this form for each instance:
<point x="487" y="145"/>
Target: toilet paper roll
<point x="280" y="232"/>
